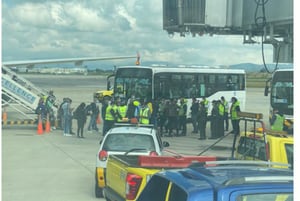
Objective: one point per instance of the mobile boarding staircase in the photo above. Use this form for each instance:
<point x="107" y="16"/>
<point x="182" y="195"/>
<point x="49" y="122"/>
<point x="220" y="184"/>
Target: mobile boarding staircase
<point x="20" y="97"/>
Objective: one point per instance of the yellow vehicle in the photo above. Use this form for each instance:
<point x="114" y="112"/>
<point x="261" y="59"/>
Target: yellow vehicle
<point x="107" y="94"/>
<point x="265" y="145"/>
<point x="127" y="175"/>
<point x="103" y="95"/>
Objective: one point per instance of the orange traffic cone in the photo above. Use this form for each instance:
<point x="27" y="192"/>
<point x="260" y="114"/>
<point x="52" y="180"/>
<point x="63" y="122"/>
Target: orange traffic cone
<point x="98" y="119"/>
<point x="40" y="126"/>
<point x="47" y="126"/>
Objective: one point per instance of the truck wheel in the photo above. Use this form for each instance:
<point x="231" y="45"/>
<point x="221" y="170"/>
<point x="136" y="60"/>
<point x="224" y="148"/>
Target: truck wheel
<point x="98" y="191"/>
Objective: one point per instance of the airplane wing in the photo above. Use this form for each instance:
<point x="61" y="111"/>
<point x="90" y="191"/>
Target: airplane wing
<point x="77" y="61"/>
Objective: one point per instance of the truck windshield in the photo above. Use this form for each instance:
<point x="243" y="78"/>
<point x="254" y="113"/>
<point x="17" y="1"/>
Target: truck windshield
<point x="267" y="197"/>
<point x="124" y="142"/>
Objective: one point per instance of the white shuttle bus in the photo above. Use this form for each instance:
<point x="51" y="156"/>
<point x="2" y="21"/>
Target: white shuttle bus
<point x="155" y="83"/>
<point x="281" y="88"/>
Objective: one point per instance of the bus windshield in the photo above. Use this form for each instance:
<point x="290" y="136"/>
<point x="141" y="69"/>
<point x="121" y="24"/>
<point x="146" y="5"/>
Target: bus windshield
<point x="282" y="92"/>
<point x="131" y="82"/>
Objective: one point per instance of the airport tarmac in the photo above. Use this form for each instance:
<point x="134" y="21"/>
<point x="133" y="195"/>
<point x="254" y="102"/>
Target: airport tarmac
<point x="58" y="168"/>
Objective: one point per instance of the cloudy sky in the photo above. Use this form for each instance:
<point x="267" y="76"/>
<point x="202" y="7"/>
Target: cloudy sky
<point x="36" y="29"/>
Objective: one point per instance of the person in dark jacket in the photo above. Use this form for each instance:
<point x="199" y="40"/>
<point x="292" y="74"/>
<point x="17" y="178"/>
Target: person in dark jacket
<point x="80" y="114"/>
<point x="214" y="120"/>
<point x="93" y="109"/>
<point x="202" y="118"/>
<point x="194" y="114"/>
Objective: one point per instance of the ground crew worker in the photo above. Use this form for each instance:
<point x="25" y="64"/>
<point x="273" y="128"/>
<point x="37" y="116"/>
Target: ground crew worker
<point x="220" y="130"/>
<point x="234" y="109"/>
<point x="182" y="117"/>
<point x="122" y="109"/>
<point x="226" y="108"/>
<point x="206" y="105"/>
<point x="277" y="121"/>
<point x="110" y="117"/>
<point x="145" y="114"/>
<point x="235" y="120"/>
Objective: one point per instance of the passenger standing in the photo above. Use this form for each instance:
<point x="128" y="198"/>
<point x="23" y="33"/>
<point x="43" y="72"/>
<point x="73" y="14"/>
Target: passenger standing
<point x="162" y="117"/>
<point x="50" y="105"/>
<point x="226" y="108"/>
<point x="41" y="111"/>
<point x="67" y="116"/>
<point x="182" y="117"/>
<point x="194" y="115"/>
<point x="172" y="116"/>
<point x="94" y="109"/>
<point x="202" y="118"/>
<point x="235" y="120"/>
<point x="154" y="113"/>
<point x="214" y="120"/>
<point x="80" y="115"/>
<point x="60" y="115"/>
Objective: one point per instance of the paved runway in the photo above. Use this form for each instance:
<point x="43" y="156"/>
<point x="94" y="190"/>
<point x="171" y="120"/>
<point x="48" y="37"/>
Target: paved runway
<point x="57" y="168"/>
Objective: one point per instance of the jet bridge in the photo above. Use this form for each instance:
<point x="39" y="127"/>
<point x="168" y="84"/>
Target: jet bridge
<point x="270" y="20"/>
<point x="20" y="94"/>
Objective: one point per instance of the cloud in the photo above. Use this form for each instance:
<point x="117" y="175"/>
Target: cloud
<point x="73" y="28"/>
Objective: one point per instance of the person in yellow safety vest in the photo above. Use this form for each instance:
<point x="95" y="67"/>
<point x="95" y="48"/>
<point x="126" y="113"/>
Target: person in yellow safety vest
<point x="122" y="109"/>
<point x="277" y="121"/>
<point x="111" y="116"/>
<point x="220" y="130"/>
<point x="235" y="120"/>
<point x="206" y="104"/>
<point x="226" y="108"/>
<point x="234" y="109"/>
<point x="144" y="113"/>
